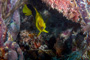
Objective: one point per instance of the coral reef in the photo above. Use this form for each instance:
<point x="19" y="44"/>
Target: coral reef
<point x="67" y="22"/>
<point x="69" y="8"/>
<point x="9" y="28"/>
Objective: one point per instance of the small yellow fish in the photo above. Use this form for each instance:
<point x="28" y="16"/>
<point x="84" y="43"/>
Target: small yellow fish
<point x="27" y="11"/>
<point x="40" y="24"/>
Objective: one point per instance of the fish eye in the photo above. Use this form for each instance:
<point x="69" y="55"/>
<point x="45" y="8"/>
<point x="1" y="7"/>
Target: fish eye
<point x="42" y="27"/>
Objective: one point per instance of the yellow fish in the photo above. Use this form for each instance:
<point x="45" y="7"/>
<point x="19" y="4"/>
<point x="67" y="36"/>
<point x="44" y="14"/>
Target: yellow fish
<point x="40" y="24"/>
<point x="27" y="11"/>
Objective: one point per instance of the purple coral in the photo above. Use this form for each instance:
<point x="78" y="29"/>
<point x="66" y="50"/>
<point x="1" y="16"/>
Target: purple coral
<point x="13" y="29"/>
<point x="83" y="10"/>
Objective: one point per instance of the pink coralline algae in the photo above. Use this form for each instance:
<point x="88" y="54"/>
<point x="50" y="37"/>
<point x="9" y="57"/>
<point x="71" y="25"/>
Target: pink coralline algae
<point x="68" y="7"/>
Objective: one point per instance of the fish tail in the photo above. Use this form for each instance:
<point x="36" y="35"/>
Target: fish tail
<point x="45" y="31"/>
<point x="39" y="33"/>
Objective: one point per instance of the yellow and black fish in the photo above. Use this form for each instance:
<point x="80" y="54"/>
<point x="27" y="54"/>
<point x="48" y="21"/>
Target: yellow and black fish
<point x="40" y="24"/>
